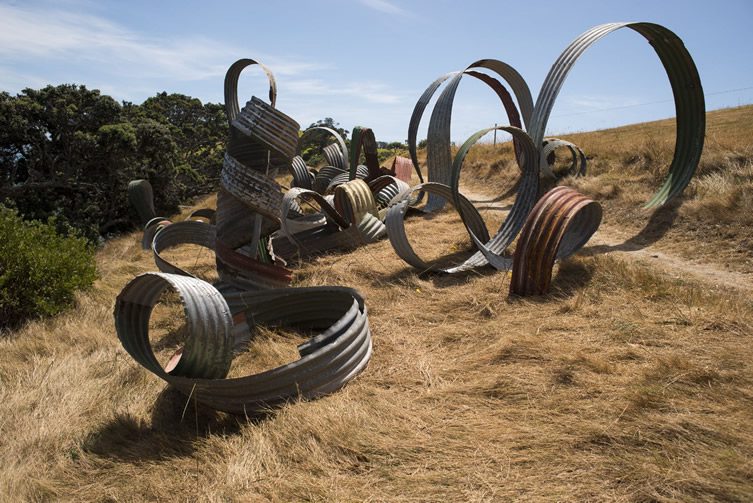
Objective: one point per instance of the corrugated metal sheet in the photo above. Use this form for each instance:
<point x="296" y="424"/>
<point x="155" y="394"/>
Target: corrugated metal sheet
<point x="363" y="140"/>
<point x="180" y="233"/>
<point x="559" y="225"/>
<point x="302" y="177"/>
<point x="150" y="229"/>
<point x="402" y="168"/>
<point x="578" y="165"/>
<point x="141" y="197"/>
<point x="686" y="88"/>
<point x="338" y="352"/>
<point x="258" y="192"/>
<point x="232" y="107"/>
<point x="268" y="127"/>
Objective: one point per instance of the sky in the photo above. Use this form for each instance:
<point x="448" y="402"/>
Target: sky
<point x="366" y="62"/>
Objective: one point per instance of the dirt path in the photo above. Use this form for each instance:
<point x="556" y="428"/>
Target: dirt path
<point x="612" y="240"/>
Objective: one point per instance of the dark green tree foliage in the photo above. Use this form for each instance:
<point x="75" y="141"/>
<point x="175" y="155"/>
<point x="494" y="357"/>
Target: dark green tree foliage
<point x="69" y="152"/>
<point x="39" y="269"/>
<point x="315" y="141"/>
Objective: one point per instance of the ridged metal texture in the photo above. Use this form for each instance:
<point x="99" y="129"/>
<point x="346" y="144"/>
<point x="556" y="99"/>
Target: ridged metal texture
<point x="334" y="156"/>
<point x="206" y="213"/>
<point x="402" y="168"/>
<point x="338" y="352"/>
<point x="686" y="88"/>
<point x="337" y="153"/>
<point x="363" y="140"/>
<point x="248" y="209"/>
<point x="324" y="177"/>
<point x="180" y="233"/>
<point x="439" y="157"/>
<point x="258" y="192"/>
<point x="362" y="173"/>
<point x="141" y="197"/>
<point x="559" y="225"/>
<point x="151" y="228"/>
<point x="268" y="126"/>
<point x="395" y="222"/>
<point x="302" y="177"/>
<point x="207" y="350"/>
<point x="490" y="250"/>
<point x="386" y="188"/>
<point x="578" y="165"/>
<point x="232" y="107"/>
<point x="353" y="200"/>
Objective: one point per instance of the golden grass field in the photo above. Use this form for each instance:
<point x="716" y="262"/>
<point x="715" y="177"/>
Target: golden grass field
<point x="629" y="382"/>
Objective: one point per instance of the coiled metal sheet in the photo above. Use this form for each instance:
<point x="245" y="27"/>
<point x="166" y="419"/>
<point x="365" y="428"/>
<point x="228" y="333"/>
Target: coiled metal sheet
<point x="268" y="126"/>
<point x="302" y="177"/>
<point x="363" y="140"/>
<point x="141" y="197"/>
<point x="578" y="166"/>
<point x="686" y="88"/>
<point x="340" y="350"/>
<point x="179" y="233"/>
<point x="151" y="228"/>
<point x="257" y="191"/>
<point x="559" y="225"/>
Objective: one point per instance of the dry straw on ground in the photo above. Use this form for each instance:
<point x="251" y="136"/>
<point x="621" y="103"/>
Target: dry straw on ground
<point x="624" y="384"/>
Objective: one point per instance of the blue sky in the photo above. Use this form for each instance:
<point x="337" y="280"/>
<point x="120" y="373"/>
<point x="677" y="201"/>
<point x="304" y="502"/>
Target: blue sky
<point x="365" y="62"/>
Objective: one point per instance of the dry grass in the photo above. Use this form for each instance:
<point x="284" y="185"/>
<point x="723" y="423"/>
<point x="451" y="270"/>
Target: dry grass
<point x="623" y="384"/>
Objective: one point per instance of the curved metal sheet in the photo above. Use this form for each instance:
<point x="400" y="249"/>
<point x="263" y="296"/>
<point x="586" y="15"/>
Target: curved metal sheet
<point x="207" y="351"/>
<point x="232" y="107"/>
<point x="151" y="228"/>
<point x="339" y="160"/>
<point x="302" y="177"/>
<point x="259" y="192"/>
<point x="180" y="233"/>
<point x="559" y="225"/>
<point x="141" y="197"/>
<point x="363" y="140"/>
<point x="268" y="126"/>
<point x="338" y="352"/>
<point x="579" y="162"/>
<point x="686" y="88"/>
<point x="395" y="222"/>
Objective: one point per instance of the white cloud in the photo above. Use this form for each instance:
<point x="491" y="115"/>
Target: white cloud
<point x="383" y="6"/>
<point x="372" y="92"/>
<point x="53" y="35"/>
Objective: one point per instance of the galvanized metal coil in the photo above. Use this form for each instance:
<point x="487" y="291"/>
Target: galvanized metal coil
<point x="338" y="352"/>
<point x="354" y="199"/>
<point x="206" y="213"/>
<point x="578" y="165"/>
<point x="686" y="88"/>
<point x="180" y="233"/>
<point x="268" y="126"/>
<point x="258" y="192"/>
<point x="325" y="176"/>
<point x="363" y="140"/>
<point x="141" y="197"/>
<point x="438" y="156"/>
<point x="246" y="273"/>
<point x="150" y="229"/>
<point x="559" y="225"/>
<point x="302" y="177"/>
<point x="386" y="188"/>
<point x="232" y="107"/>
<point x="334" y="156"/>
<point x="207" y="352"/>
<point x="362" y="173"/>
<point x="395" y="224"/>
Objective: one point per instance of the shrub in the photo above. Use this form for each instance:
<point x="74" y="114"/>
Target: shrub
<point x="39" y="269"/>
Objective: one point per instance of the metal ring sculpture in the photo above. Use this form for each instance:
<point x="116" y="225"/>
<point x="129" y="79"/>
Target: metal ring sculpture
<point x="141" y="197"/>
<point x="578" y="165"/>
<point x="180" y="233"/>
<point x="338" y="352"/>
<point x="559" y="225"/>
<point x="249" y="203"/>
<point x="689" y="105"/>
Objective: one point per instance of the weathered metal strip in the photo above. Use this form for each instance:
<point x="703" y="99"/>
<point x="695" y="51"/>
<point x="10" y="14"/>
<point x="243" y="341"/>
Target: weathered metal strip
<point x="141" y="197"/>
<point x="339" y="352"/>
<point x="559" y="225"/>
<point x="686" y="88"/>
<point x="180" y="233"/>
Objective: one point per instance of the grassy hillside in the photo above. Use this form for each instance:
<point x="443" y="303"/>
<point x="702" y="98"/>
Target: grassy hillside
<point x="626" y="383"/>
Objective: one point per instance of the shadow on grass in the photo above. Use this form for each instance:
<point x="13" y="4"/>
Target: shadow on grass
<point x="661" y="220"/>
<point x="170" y="434"/>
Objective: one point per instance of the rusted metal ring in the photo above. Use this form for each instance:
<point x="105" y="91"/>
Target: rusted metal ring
<point x="180" y="233"/>
<point x="559" y="225"/>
